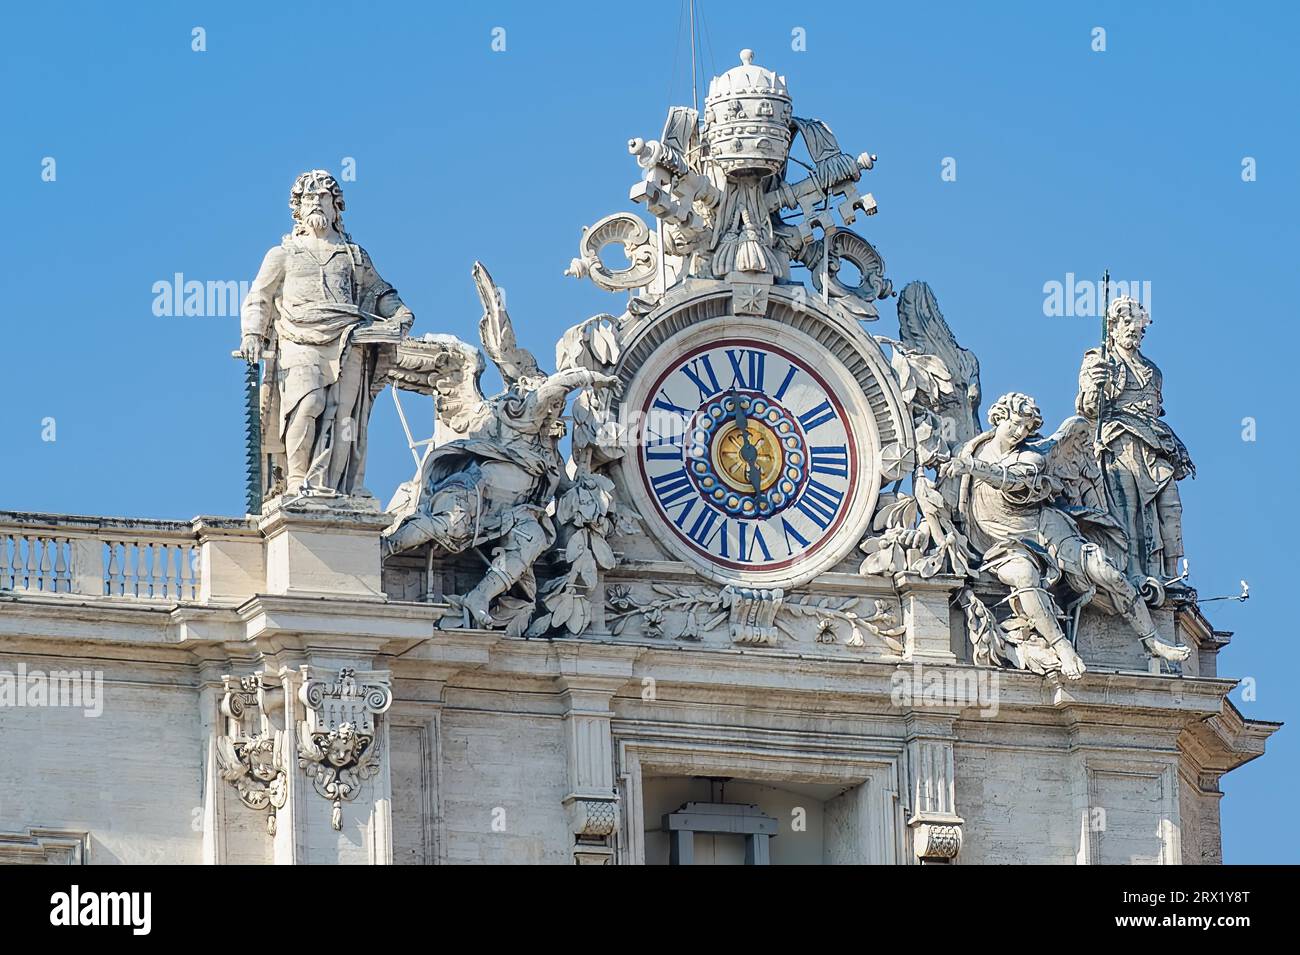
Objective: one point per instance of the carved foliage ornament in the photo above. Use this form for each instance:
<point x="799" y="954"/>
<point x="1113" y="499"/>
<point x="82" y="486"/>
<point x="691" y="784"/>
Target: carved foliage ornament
<point x="754" y="617"/>
<point x="640" y="246"/>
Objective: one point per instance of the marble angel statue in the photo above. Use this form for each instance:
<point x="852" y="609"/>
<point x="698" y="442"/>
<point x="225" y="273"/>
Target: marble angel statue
<point x="940" y="382"/>
<point x="497" y="466"/>
<point x="1034" y="509"/>
<point x="926" y="340"/>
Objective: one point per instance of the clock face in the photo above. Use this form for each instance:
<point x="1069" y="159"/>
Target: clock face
<point x="754" y="458"/>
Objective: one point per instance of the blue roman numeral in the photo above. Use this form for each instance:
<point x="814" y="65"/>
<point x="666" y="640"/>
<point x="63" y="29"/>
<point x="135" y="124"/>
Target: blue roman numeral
<point x="699" y="531"/>
<point x="815" y="417"/>
<point x="694" y="373"/>
<point x="686" y="511"/>
<point x="664" y="447"/>
<point x="747" y="368"/>
<point x="747" y="543"/>
<point x="819" y="503"/>
<point x="785" y="385"/>
<point x="664" y="404"/>
<point x="672" y="486"/>
<point x="789" y="533"/>
<point x="831" y="459"/>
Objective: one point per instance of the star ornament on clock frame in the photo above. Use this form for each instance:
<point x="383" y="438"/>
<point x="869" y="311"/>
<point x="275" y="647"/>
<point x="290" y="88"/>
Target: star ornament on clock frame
<point x="758" y="459"/>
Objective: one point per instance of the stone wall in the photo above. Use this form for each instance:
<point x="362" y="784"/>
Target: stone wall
<point x="492" y="749"/>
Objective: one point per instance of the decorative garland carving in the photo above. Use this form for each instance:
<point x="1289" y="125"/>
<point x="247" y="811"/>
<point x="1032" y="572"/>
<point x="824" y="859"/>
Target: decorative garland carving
<point x="754" y="618"/>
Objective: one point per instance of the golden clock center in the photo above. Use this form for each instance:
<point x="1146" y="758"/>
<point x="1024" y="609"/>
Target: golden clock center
<point x="729" y="461"/>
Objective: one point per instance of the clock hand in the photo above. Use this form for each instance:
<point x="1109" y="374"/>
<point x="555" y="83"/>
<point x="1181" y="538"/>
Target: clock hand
<point x="748" y="453"/>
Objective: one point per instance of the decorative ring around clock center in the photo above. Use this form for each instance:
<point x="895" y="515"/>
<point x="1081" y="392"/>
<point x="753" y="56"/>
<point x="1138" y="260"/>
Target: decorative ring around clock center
<point x="717" y="464"/>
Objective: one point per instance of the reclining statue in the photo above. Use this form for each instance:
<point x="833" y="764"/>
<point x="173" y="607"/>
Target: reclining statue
<point x="489" y="486"/>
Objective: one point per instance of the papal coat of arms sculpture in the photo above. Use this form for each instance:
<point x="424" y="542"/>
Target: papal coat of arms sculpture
<point x="722" y="542"/>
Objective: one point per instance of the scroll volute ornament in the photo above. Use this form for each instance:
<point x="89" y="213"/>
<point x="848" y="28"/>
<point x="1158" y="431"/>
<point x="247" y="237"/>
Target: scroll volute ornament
<point x="337" y="742"/>
<point x="250" y="753"/>
<point x="640" y="245"/>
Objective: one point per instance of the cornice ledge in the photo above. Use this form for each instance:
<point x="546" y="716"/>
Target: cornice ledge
<point x="397" y="626"/>
<point x="1104" y="693"/>
<point x="1239" y="739"/>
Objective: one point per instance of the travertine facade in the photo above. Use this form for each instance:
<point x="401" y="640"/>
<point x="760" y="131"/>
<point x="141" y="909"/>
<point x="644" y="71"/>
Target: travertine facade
<point x="780" y="597"/>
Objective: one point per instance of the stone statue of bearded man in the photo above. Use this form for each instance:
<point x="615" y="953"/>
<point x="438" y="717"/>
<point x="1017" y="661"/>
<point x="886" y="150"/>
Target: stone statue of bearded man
<point x="1146" y="458"/>
<point x="328" y="326"/>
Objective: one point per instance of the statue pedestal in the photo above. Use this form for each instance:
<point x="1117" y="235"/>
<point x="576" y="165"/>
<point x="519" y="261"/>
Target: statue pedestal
<point x="324" y="547"/>
<point x="231" y="559"/>
<point x="926" y="612"/>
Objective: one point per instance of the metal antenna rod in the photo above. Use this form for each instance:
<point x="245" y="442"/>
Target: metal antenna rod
<point x="695" y="98"/>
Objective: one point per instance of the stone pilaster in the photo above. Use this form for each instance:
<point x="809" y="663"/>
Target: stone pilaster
<point x="1125" y="786"/>
<point x="592" y="801"/>
<point x="935" y="826"/>
<point x="214" y="786"/>
<point x="339" y="800"/>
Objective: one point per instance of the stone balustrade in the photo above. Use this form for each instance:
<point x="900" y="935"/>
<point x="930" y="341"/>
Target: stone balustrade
<point x="95" y="556"/>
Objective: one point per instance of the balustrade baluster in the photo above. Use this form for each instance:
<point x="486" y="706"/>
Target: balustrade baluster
<point x="139" y="576"/>
<point x="112" y="569"/>
<point x="148" y="569"/>
<point x="190" y="567"/>
<point x="178" y="571"/>
<point x="164" y="578"/>
<point x="62" y="578"/>
<point x="29" y="569"/>
<point x="167" y="577"/>
<point x="45" y="581"/>
<point x="130" y="577"/>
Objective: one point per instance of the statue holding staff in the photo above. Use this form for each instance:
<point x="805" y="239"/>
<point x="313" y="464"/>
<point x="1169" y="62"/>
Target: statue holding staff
<point x="1120" y="389"/>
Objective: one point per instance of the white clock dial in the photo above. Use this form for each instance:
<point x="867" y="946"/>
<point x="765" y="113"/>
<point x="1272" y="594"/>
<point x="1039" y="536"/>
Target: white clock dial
<point x="755" y="456"/>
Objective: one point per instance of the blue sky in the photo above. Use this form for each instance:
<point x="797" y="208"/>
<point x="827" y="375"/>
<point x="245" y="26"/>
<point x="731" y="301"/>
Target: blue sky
<point x="1068" y="161"/>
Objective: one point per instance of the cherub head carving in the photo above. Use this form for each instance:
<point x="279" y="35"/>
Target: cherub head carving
<point x="343" y="746"/>
<point x="1015" y="417"/>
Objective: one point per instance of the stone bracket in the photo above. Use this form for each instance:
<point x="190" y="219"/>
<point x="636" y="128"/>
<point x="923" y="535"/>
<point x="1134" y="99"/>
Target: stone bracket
<point x="250" y="753"/>
<point x="936" y="838"/>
